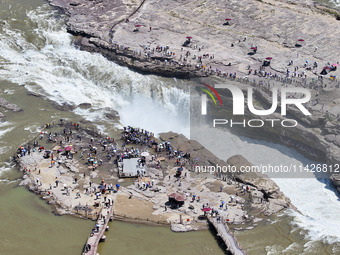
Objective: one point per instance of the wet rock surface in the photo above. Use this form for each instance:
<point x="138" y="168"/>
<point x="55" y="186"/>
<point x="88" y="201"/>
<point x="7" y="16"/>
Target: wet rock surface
<point x="9" y="106"/>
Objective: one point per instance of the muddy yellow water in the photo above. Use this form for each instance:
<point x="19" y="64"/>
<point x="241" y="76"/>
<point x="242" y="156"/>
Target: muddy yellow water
<point x="27" y="224"/>
<point x="126" y="238"/>
<point x="29" y="227"/>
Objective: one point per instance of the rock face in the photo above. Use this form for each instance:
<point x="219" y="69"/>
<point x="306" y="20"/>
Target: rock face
<point x="330" y="138"/>
<point x="195" y="149"/>
<point x="260" y="181"/>
<point x="85" y="105"/>
<point x="335" y="178"/>
<point x="119" y="28"/>
<point x="9" y="106"/>
<point x="113" y="115"/>
<point x="277" y="200"/>
<point x="63" y="107"/>
<point x="185" y="228"/>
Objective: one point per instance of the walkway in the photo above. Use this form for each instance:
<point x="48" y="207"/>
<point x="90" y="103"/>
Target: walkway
<point x="223" y="231"/>
<point x="94" y="238"/>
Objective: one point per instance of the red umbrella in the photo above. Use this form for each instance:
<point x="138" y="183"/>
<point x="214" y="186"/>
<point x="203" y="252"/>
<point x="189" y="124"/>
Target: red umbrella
<point x="301" y="40"/>
<point x="138" y="25"/>
<point x="326" y="67"/>
<point x="177" y="197"/>
<point x="253" y="48"/>
<point x="269" y="58"/>
<point x="68" y="148"/>
<point x="228" y="19"/>
<point x="189" y="37"/>
<point x="207" y="209"/>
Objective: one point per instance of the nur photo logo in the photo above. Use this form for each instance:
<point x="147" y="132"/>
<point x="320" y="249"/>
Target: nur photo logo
<point x="282" y="95"/>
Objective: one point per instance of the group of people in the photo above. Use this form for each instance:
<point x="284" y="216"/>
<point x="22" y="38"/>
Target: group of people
<point x="194" y="61"/>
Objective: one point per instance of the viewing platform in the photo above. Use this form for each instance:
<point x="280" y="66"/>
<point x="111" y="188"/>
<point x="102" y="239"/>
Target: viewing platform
<point x="97" y="233"/>
<point x="223" y="231"/>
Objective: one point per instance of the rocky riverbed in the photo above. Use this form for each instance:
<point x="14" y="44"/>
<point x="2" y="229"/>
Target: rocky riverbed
<point x="69" y="181"/>
<point x="8" y="106"/>
<point x="126" y="30"/>
<point x="152" y="37"/>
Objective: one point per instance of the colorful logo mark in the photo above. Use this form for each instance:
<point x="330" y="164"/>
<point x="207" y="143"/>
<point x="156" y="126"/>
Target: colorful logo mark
<point x="209" y="93"/>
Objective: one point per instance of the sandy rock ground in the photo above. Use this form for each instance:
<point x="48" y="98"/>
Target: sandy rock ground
<point x="273" y="26"/>
<point x="69" y="184"/>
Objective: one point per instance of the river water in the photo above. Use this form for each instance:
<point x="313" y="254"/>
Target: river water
<point x="37" y="56"/>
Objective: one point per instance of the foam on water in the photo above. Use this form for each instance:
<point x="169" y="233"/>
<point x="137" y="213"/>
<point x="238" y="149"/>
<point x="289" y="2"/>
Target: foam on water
<point x="274" y="250"/>
<point x="319" y="205"/>
<point x="5" y="167"/>
<point x="9" y="91"/>
<point x="329" y="3"/>
<point x="291" y="248"/>
<point x="65" y="74"/>
<point x="4" y="131"/>
<point x="7" y="181"/>
<point x="33" y="129"/>
<point x="4" y="149"/>
<point x="315" y="199"/>
<point x="5" y="127"/>
<point x="336" y="2"/>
